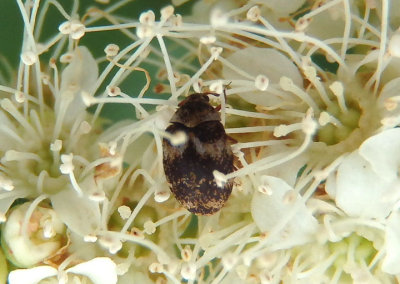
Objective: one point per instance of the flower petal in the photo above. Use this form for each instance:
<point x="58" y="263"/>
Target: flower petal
<point x="80" y="75"/>
<point x="269" y="210"/>
<point x="321" y="24"/>
<point x="360" y="191"/>
<point x="101" y="270"/>
<point x="80" y="214"/>
<point x="262" y="61"/>
<point x="284" y="7"/>
<point x="27" y="251"/>
<point x="382" y="152"/>
<point x="31" y="275"/>
<point x="82" y="72"/>
<point x="391" y="261"/>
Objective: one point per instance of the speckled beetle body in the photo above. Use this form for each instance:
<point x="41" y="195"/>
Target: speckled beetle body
<point x="189" y="166"/>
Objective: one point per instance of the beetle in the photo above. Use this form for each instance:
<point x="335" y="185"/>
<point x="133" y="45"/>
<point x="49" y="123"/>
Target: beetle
<point x="189" y="165"/>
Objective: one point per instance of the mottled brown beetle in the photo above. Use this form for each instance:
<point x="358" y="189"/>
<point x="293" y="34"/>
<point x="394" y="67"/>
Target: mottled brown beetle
<point x="189" y="166"/>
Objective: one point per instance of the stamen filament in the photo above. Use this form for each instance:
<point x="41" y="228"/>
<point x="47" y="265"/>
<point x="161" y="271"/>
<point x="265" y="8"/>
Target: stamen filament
<point x="138" y="207"/>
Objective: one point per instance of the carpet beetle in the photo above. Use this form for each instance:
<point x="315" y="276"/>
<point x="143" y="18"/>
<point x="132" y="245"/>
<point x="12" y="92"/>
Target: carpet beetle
<point x="189" y="165"/>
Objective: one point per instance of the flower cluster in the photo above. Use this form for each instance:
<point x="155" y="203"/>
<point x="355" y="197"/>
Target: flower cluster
<point x="309" y="92"/>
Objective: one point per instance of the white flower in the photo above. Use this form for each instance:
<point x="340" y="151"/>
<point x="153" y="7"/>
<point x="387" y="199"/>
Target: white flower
<point x="308" y="92"/>
<point x="100" y="270"/>
<point x="270" y="210"/>
<point x="392" y="245"/>
<point x="79" y="213"/>
<point x="381" y="151"/>
<point x="267" y="62"/>
<point x="28" y="242"/>
<point x="366" y="183"/>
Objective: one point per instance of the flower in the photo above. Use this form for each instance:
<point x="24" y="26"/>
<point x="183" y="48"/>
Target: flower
<point x="98" y="270"/>
<point x="311" y="107"/>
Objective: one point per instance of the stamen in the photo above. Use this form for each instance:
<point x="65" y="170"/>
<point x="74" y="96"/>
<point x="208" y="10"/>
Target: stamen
<point x="124" y="211"/>
<point x="338" y="91"/>
<point x="208" y="40"/>
<point x="309" y="125"/>
<point x="6" y="184"/>
<point x="288" y="85"/>
<point x="48" y="230"/>
<point x="19" y="97"/>
<point x="77" y="29"/>
<point x="90" y="238"/>
<point x="193" y="79"/>
<point x="302" y="24"/>
<point x="147" y="18"/>
<point x="111" y="243"/>
<point x="320" y="268"/>
<point x="40" y="180"/>
<point x="188" y="271"/>
<point x="149" y="227"/>
<point x="229" y="261"/>
<point x="12" y="155"/>
<point x="218" y="18"/>
<point x="161" y="195"/>
<point x="8" y="106"/>
<point x="28" y="214"/>
<point x="391" y="103"/>
<point x="77" y="132"/>
<point x="113" y="91"/>
<point x="326" y="118"/>
<point x="29" y="58"/>
<point x="11" y="134"/>
<point x="216" y="52"/>
<point x="283" y="129"/>
<point x="261" y="82"/>
<point x="166" y="13"/>
<point x="186" y="254"/>
<point x="67" y="168"/>
<point x="220" y="178"/>
<point x="311" y="74"/>
<point x="36" y="121"/>
<point x="138" y="207"/>
<point x="394" y="45"/>
<point x="111" y="50"/>
<point x="162" y="256"/>
<point x="253" y="14"/>
<point x="217" y="87"/>
<point x="156" y="267"/>
<point x="168" y="218"/>
<point x="250" y="129"/>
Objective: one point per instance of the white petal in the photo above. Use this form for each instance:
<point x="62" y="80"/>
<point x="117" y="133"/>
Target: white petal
<point x="390" y="89"/>
<point x="391" y="261"/>
<point x="269" y="210"/>
<point x="79" y="76"/>
<point x="262" y="61"/>
<point x="101" y="270"/>
<point x="6" y="203"/>
<point x="139" y="277"/>
<point x="321" y="25"/>
<point x="284" y="7"/>
<point x="288" y="171"/>
<point x="382" y="151"/>
<point x="330" y="185"/>
<point x="82" y="72"/>
<point x="31" y="275"/>
<point x="80" y="214"/>
<point x="360" y="191"/>
<point x="22" y="251"/>
<point x="265" y="61"/>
